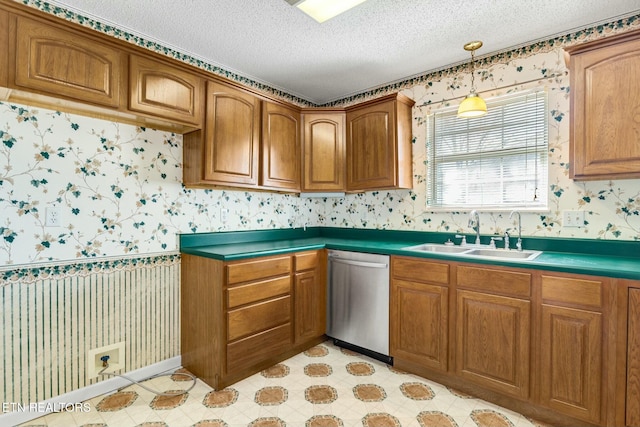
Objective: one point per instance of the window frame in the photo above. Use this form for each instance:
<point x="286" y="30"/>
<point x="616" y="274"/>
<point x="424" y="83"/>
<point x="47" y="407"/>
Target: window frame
<point x="542" y="179"/>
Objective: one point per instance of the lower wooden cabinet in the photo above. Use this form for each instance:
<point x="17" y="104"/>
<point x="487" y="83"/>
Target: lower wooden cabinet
<point x="571" y="346"/>
<point x="310" y="293"/>
<point x="536" y="341"/>
<point x="419" y="312"/>
<point x="493" y="336"/>
<point x="239" y="317"/>
<point x="633" y="359"/>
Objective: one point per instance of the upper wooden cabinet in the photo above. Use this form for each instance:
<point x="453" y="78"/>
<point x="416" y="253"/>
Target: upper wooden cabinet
<point x="379" y="144"/>
<point x="280" y="147"/>
<point x="246" y="143"/>
<point x="232" y="136"/>
<point x="161" y="90"/>
<point x="605" y="114"/>
<point x="62" y="63"/>
<point x="323" y="151"/>
<point x="4" y="50"/>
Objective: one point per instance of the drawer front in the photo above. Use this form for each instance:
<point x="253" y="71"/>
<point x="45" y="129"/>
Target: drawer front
<point x="572" y="291"/>
<point x="256" y="291"/>
<point x="258" y="269"/>
<point x="306" y="261"/>
<point x="257" y="348"/>
<point x="502" y="282"/>
<point x="258" y="317"/>
<point x="420" y="271"/>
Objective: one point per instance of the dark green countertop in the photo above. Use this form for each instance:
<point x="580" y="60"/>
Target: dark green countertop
<point x="619" y="259"/>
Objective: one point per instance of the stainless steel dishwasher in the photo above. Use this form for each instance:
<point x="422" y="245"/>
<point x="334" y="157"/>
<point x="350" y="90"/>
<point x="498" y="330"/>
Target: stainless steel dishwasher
<point x="358" y="302"/>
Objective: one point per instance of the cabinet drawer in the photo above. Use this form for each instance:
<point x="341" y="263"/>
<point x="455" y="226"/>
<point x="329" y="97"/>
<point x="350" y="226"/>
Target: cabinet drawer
<point x="254" y="318"/>
<point x="306" y="261"/>
<point x="256" y="291"/>
<point x="421" y="271"/>
<point x="503" y="282"/>
<point x="564" y="290"/>
<point x="258" y="269"/>
<point x="257" y="348"/>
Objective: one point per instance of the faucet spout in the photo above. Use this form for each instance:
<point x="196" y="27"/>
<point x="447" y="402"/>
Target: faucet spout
<point x="474" y="223"/>
<point x="519" y="242"/>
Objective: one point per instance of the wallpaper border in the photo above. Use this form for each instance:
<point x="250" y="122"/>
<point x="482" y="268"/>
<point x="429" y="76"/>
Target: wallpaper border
<point x="12" y="274"/>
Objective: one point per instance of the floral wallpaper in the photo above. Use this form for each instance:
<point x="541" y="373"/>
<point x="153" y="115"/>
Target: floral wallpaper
<point x="118" y="187"/>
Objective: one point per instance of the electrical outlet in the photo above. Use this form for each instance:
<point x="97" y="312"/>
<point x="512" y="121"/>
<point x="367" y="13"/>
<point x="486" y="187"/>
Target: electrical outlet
<point x="52" y="217"/>
<point x="573" y="219"/>
<point x="224" y="215"/>
<point x="116" y="359"/>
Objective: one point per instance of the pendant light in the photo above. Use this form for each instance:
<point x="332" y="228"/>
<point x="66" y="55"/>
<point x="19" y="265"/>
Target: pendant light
<point x="472" y="105"/>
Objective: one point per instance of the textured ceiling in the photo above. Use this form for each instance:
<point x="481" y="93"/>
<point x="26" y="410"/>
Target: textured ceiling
<point x="377" y="42"/>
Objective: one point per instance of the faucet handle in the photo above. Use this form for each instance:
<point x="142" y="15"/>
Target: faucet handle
<point x="464" y="239"/>
<point x="492" y="244"/>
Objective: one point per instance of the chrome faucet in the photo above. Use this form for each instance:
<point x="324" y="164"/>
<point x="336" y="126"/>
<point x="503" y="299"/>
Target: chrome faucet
<point x="474" y="223"/>
<point x="519" y="242"/>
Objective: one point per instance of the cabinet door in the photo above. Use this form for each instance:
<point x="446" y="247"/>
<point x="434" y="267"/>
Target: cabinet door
<point x="324" y="152"/>
<point x="493" y="334"/>
<point x="310" y="294"/>
<point x="161" y="90"/>
<point x="570" y="369"/>
<point x="605" y="82"/>
<point x="67" y="64"/>
<point x="232" y="136"/>
<point x="633" y="359"/>
<point x="419" y="323"/>
<point x="280" y="147"/>
<point x="4" y="51"/>
<point x="307" y="306"/>
<point x="371" y="153"/>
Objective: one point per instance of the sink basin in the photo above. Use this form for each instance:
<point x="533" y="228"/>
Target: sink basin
<point x="434" y="247"/>
<point x="502" y="254"/>
<point x="475" y="251"/>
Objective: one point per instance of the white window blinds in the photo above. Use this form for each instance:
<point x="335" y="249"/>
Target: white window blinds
<point x="496" y="162"/>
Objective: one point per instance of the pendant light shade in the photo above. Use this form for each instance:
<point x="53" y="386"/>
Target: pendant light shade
<point x="472" y="105"/>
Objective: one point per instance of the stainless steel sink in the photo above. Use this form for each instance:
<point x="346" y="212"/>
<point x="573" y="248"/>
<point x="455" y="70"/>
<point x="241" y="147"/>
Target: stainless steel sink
<point x="475" y="251"/>
<point x="502" y="254"/>
<point x="435" y="247"/>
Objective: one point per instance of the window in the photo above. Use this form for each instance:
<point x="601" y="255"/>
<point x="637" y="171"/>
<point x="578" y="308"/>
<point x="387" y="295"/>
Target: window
<point x="495" y="162"/>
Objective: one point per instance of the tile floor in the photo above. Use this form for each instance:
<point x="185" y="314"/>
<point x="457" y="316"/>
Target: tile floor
<point x="325" y="386"/>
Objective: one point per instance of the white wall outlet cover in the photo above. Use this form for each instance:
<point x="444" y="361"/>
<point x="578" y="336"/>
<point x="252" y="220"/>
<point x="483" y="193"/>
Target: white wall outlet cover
<point x="116" y="359"/>
<point x="52" y="217"/>
<point x="573" y="219"/>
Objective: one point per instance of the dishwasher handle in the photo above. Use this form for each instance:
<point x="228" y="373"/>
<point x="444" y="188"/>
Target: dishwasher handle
<point x="358" y="263"/>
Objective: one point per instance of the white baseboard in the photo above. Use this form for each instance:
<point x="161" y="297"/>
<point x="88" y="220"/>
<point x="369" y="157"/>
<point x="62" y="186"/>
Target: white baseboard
<point x="89" y="392"/>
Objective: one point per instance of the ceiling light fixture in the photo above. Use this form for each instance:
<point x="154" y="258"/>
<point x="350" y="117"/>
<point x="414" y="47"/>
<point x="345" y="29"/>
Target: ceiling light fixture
<point x="472" y="105"/>
<point x="322" y="10"/>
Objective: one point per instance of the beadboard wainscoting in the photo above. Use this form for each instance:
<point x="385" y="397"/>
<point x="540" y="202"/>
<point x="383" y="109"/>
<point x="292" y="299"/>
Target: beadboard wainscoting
<point x="52" y="315"/>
